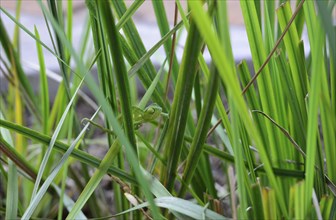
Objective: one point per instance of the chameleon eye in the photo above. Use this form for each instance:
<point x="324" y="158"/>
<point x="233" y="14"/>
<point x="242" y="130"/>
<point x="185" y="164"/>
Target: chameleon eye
<point x="150" y="110"/>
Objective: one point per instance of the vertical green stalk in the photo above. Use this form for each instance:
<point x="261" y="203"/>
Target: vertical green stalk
<point x="44" y="92"/>
<point x="229" y="78"/>
<point x="106" y="81"/>
<point x="180" y="106"/>
<point x="203" y="124"/>
<point x="297" y="66"/>
<point x="138" y="49"/>
<point x="55" y="12"/>
<point x="315" y="92"/>
<point x="12" y="199"/>
<point x="239" y="164"/>
<point x="264" y="81"/>
<point x="120" y="69"/>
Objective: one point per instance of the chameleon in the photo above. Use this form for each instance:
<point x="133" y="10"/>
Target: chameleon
<point x="149" y="114"/>
<point x="140" y="116"/>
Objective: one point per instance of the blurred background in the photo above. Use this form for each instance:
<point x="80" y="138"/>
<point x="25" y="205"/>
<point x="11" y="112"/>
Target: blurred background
<point x="144" y="19"/>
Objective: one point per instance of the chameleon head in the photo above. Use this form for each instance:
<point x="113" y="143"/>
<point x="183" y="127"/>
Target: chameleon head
<point x="152" y="112"/>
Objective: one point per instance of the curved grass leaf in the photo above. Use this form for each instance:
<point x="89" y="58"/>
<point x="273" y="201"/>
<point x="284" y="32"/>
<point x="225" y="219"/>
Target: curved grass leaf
<point x="95" y="180"/>
<point x="120" y="69"/>
<point x="203" y="124"/>
<point x="52" y="142"/>
<point x="180" y="106"/>
<point x="61" y="147"/>
<point x="41" y="192"/>
<point x="181" y="206"/>
<point x="228" y="77"/>
<point x="12" y="200"/>
<point x="109" y="114"/>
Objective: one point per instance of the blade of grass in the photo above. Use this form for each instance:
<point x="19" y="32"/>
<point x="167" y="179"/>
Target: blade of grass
<point x="180" y="106"/>
<point x="128" y="14"/>
<point x="151" y="88"/>
<point x="14" y="59"/>
<point x="161" y="18"/>
<point x="33" y="36"/>
<point x="43" y="86"/>
<point x="29" y="171"/>
<point x="297" y="67"/>
<point x="120" y="70"/>
<point x="57" y="13"/>
<point x="130" y="154"/>
<point x="60" y="147"/>
<point x="203" y="124"/>
<point x="204" y="25"/>
<point x="239" y="165"/>
<point x="328" y="109"/>
<point x="12" y="199"/>
<point x="313" y="106"/>
<point x="51" y="144"/>
<point x="266" y="91"/>
<point x="36" y="199"/>
<point x="95" y="180"/>
<point x="138" y="49"/>
<point x="182" y="206"/>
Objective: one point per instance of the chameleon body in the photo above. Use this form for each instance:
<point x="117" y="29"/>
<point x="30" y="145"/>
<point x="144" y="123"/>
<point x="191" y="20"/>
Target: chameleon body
<point x="140" y="116"/>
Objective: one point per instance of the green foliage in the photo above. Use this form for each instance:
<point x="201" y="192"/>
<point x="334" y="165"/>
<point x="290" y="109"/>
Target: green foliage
<point x="275" y="124"/>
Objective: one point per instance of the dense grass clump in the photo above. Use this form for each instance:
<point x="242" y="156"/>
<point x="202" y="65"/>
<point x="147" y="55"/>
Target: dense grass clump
<point x="204" y="140"/>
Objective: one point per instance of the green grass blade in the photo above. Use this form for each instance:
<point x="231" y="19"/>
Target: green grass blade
<point x="67" y="201"/>
<point x="110" y="117"/>
<point x="52" y="142"/>
<point x="313" y="106"/>
<point x="163" y="25"/>
<point x="120" y="70"/>
<point x="180" y="106"/>
<point x="143" y="102"/>
<point x="136" y="43"/>
<point x="12" y="200"/>
<point x="14" y="59"/>
<point x="61" y="147"/>
<point x="36" y="199"/>
<point x="181" y="206"/>
<point x="129" y="12"/>
<point x="43" y="86"/>
<point x="33" y="36"/>
<point x="203" y="124"/>
<point x="204" y="25"/>
<point x="297" y="67"/>
<point x="95" y="179"/>
<point x="266" y="92"/>
<point x="239" y="165"/>
<point x="30" y="171"/>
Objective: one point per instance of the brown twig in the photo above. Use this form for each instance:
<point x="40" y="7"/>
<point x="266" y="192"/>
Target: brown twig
<point x="171" y="58"/>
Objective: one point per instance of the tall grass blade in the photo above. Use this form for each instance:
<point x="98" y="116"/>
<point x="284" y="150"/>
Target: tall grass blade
<point x="12" y="200"/>
<point x="196" y="148"/>
<point x="313" y="106"/>
<point x="180" y="106"/>
<point x="43" y="86"/>
<point x="120" y="70"/>
<point x="52" y="142"/>
<point x="37" y="198"/>
<point x="95" y="179"/>
<point x="61" y="147"/>
<point x="228" y="78"/>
